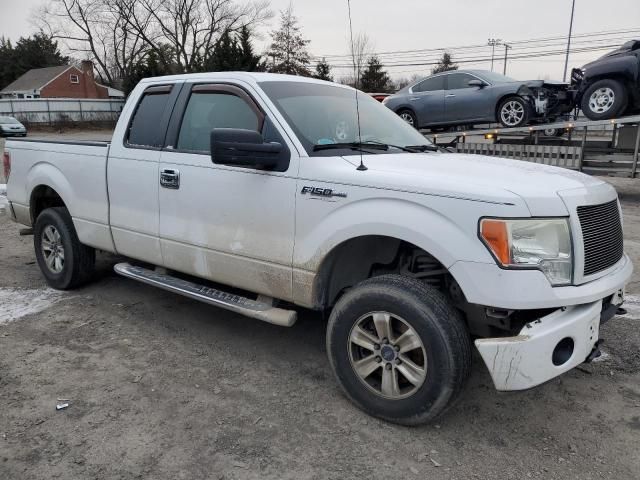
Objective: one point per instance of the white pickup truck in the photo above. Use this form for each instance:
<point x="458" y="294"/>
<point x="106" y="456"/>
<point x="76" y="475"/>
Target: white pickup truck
<point x="264" y="193"/>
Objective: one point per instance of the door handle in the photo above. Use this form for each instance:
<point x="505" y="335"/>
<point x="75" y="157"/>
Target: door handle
<point x="449" y="95"/>
<point x="170" y="178"/>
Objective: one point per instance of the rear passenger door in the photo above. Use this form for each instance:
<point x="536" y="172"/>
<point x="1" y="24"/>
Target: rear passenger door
<point x="427" y="100"/>
<point x="225" y="223"/>
<point x="132" y="174"/>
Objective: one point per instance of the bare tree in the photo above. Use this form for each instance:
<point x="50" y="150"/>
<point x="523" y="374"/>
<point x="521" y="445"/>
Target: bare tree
<point x="117" y="34"/>
<point x="359" y="51"/>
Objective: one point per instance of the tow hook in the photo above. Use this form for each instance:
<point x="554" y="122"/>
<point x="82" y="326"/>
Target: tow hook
<point x="595" y="353"/>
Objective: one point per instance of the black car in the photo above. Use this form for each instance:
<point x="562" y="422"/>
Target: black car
<point x="610" y="86"/>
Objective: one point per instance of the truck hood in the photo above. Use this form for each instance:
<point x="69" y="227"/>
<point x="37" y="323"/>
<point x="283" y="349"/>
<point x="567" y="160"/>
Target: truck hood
<point x="479" y="177"/>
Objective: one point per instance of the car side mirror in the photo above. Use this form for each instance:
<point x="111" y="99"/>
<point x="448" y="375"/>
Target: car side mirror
<point x="476" y="83"/>
<point x="243" y="148"/>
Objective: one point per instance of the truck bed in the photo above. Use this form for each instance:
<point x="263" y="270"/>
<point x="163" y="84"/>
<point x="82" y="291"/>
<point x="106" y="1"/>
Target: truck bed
<point x="76" y="170"/>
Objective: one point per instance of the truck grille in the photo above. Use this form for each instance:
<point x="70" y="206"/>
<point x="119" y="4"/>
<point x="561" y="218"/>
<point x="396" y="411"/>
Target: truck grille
<point x="602" y="236"/>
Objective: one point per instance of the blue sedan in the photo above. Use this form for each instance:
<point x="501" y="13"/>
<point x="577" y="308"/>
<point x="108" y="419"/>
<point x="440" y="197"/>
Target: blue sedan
<point x="467" y="97"/>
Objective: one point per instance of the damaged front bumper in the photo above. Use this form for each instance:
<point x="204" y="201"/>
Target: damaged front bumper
<point x="547" y="347"/>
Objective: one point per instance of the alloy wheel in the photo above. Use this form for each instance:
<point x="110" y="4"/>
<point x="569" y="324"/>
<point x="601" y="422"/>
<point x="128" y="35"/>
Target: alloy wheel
<point x="387" y="355"/>
<point x="407" y="117"/>
<point x="52" y="249"/>
<point x="512" y="113"/>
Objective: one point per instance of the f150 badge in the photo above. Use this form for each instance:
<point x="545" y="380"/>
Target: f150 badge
<point x="321" y="192"/>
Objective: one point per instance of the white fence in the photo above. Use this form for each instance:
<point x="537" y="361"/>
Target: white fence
<point x="61" y="110"/>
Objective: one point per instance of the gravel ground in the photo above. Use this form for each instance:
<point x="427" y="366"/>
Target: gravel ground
<point x="162" y="387"/>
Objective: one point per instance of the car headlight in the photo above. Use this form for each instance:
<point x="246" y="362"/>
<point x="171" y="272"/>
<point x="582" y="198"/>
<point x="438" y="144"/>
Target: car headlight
<point x="543" y="244"/>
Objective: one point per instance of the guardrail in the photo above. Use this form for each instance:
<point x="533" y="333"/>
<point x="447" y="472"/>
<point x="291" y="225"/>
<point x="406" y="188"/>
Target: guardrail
<point x="618" y="158"/>
<point x="50" y="111"/>
<point x="567" y="156"/>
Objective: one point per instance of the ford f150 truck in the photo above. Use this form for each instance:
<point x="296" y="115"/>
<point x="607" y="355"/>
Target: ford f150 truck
<point x="263" y="193"/>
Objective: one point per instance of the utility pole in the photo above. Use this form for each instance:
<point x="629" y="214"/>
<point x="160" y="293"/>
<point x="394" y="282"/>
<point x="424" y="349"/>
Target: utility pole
<point x="492" y="43"/>
<point x="506" y="49"/>
<point x="566" y="58"/>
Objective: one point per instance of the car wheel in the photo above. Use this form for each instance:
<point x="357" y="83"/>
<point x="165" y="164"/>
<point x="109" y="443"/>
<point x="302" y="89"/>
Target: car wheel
<point x="398" y="349"/>
<point x="513" y="112"/>
<point x="604" y="99"/>
<point x="553" y="132"/>
<point x="409" y="117"/>
<point x="64" y="261"/>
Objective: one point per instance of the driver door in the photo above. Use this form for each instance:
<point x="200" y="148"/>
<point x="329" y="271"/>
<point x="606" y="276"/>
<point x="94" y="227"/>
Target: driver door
<point x="228" y="224"/>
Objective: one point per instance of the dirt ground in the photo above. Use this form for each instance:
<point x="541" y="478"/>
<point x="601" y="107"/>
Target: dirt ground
<point x="162" y="387"/>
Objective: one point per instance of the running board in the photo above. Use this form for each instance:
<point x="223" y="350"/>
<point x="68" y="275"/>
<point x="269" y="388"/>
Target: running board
<point x="260" y="309"/>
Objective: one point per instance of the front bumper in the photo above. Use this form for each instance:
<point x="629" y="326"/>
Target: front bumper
<point x="545" y="348"/>
<point x="489" y="285"/>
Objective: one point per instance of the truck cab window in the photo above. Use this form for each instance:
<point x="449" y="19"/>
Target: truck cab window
<point x="208" y="110"/>
<point x="143" y="130"/>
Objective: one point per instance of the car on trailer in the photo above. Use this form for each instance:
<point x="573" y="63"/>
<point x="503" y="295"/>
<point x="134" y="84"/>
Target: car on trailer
<point x="468" y="97"/>
<point x="609" y="87"/>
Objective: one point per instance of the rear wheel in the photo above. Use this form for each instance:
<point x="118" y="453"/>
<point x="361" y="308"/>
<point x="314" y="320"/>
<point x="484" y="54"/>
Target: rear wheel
<point x="399" y="350"/>
<point x="64" y="261"/>
<point x="604" y="99"/>
<point x="409" y="117"/>
<point x="513" y="112"/>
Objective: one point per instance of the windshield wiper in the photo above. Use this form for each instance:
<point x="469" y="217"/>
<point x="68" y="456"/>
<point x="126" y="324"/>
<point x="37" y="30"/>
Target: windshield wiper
<point x="351" y="146"/>
<point x="407" y="148"/>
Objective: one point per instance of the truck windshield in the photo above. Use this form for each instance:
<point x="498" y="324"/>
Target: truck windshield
<point x="322" y="114"/>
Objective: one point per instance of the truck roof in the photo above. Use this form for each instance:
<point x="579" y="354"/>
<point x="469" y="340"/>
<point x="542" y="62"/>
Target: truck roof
<point x="251" y="77"/>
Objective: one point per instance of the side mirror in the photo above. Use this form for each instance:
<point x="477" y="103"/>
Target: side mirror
<point x="243" y="148"/>
<point x="476" y="83"/>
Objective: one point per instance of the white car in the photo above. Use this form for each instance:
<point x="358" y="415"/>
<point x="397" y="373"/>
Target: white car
<point x="9" y="126"/>
<point x="270" y="185"/>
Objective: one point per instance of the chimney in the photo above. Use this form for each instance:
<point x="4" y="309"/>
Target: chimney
<point x="87" y="68"/>
<point x="89" y="83"/>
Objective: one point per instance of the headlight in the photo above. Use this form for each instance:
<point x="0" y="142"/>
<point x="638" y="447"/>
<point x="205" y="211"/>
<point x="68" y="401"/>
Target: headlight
<point x="543" y="244"/>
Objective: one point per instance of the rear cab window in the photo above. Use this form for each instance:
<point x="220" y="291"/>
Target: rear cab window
<point x="144" y="131"/>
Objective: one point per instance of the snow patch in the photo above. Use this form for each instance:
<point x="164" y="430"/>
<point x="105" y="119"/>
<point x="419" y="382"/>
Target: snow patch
<point x="632" y="305"/>
<point x="16" y="303"/>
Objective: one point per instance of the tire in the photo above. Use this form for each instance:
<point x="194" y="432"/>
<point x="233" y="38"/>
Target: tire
<point x="444" y="344"/>
<point x="409" y="117"/>
<point x="513" y="112"/>
<point x="553" y="132"/>
<point x="604" y="99"/>
<point x="54" y="232"/>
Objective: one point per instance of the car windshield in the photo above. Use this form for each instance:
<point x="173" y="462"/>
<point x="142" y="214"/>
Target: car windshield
<point x="493" y="77"/>
<point x="324" y="115"/>
<point x="8" y="120"/>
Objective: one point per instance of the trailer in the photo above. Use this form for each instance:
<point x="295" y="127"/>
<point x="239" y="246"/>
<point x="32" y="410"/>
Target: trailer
<point x="597" y="147"/>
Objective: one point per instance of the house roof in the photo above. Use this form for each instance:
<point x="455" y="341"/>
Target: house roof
<point x="35" y="79"/>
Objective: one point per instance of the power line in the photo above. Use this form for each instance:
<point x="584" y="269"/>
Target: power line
<point x="481" y="46"/>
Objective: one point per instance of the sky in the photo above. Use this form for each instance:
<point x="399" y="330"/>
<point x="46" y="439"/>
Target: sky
<point x="427" y="24"/>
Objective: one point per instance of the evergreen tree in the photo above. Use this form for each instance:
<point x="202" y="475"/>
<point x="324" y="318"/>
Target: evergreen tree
<point x="288" y="50"/>
<point x="323" y="71"/>
<point x="374" y="78"/>
<point x="445" y="64"/>
<point x="249" y="61"/>
<point x="37" y="51"/>
<point x="151" y="66"/>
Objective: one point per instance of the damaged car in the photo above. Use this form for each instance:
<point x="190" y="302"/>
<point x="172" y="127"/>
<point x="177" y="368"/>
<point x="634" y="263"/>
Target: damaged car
<point x="609" y="86"/>
<point x="468" y="97"/>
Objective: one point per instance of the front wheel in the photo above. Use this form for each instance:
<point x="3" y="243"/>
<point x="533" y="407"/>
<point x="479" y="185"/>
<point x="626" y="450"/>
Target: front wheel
<point x="398" y="348"/>
<point x="604" y="99"/>
<point x="513" y="112"/>
<point x="64" y="261"/>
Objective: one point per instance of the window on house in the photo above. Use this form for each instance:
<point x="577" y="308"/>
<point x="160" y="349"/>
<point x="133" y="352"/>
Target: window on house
<point x="74" y="78"/>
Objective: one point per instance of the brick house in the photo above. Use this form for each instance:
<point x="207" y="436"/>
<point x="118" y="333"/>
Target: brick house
<point x="65" y="81"/>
